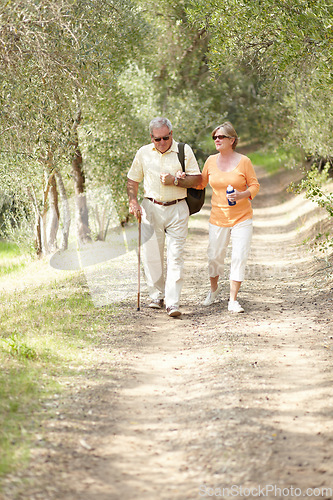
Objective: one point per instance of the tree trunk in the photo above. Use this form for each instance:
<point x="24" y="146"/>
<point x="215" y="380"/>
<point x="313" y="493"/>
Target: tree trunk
<point x="38" y="222"/>
<point x="102" y="221"/>
<point x="66" y="211"/>
<point x="45" y="247"/>
<point x="82" y="216"/>
<point x="53" y="223"/>
<point x="38" y="236"/>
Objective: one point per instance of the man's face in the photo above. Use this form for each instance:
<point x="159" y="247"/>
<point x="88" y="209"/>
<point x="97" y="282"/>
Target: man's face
<point x="165" y="137"/>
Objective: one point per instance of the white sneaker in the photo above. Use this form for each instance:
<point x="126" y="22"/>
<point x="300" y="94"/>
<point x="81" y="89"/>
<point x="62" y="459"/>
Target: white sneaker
<point x="156" y="304"/>
<point x="173" y="311"/>
<point x="235" y="307"/>
<point x="211" y="297"/>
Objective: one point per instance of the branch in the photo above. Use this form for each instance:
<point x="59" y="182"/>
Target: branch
<point x="194" y="43"/>
<point x="32" y="196"/>
<point x="15" y="152"/>
<point x="6" y="129"/>
<point x="261" y="45"/>
<point x="322" y="269"/>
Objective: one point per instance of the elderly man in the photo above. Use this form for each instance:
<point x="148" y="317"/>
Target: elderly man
<point x="164" y="211"/>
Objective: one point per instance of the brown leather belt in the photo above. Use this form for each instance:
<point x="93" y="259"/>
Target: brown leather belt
<point x="165" y="203"/>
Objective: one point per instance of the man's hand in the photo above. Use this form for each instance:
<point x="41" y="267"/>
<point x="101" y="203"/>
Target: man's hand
<point x="167" y="179"/>
<point x="134" y="208"/>
<point x="132" y="191"/>
<point x="185" y="181"/>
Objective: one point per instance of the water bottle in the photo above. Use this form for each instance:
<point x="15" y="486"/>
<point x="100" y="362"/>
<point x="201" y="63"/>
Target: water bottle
<point x="230" y="189"/>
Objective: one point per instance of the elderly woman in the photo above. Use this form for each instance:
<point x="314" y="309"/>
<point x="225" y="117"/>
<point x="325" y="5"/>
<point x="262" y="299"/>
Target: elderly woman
<point x="231" y="214"/>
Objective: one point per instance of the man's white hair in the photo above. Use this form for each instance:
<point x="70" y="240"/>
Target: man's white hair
<point x="159" y="122"/>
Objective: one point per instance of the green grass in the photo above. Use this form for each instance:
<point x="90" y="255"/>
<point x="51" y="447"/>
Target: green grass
<point x="12" y="258"/>
<point x="272" y="161"/>
<point x="19" y="400"/>
<point x="49" y="336"/>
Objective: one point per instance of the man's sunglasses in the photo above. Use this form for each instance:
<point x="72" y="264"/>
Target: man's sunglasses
<point x="220" y="137"/>
<point x="158" y="139"/>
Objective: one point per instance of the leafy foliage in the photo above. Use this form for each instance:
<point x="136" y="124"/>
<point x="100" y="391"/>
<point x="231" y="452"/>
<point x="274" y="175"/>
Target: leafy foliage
<point x="56" y="58"/>
<point x="19" y="348"/>
<point x="289" y="44"/>
<point x="86" y="75"/>
<point x="314" y="185"/>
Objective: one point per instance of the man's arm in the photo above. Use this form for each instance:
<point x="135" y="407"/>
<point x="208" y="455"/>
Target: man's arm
<point x="132" y="192"/>
<point x="190" y="181"/>
<point x="184" y="181"/>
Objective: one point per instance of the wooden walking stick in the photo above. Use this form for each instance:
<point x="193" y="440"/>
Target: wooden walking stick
<point x="139" y="256"/>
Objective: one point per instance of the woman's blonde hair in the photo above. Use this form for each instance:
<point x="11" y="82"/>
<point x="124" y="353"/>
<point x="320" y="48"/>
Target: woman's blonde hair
<point x="229" y="131"/>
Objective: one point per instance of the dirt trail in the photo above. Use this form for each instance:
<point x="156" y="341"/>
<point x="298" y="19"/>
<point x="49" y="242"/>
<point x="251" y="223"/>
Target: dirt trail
<point x="186" y="408"/>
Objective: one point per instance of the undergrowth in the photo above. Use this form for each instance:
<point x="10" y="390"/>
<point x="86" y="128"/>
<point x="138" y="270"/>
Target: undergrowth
<point x="12" y="258"/>
<point x="46" y="334"/>
<point x="272" y="161"/>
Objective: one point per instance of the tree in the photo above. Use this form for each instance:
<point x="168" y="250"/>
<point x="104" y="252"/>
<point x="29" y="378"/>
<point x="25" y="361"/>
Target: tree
<point x="179" y="81"/>
<point x="288" y="44"/>
<point x="54" y="57"/>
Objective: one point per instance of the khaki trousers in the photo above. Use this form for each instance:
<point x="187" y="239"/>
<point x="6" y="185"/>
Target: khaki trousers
<point x="162" y="225"/>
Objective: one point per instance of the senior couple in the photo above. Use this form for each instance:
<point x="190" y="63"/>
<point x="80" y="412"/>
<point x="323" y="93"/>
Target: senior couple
<point x="164" y="212"/>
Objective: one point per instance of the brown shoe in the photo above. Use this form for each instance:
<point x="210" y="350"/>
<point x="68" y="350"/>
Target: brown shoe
<point x="156" y="304"/>
<point x="173" y="311"/>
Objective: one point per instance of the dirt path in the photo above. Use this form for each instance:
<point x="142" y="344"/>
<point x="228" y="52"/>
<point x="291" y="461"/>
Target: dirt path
<point x="186" y="408"/>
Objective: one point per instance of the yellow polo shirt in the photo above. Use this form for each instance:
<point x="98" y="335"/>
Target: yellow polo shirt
<point x="149" y="164"/>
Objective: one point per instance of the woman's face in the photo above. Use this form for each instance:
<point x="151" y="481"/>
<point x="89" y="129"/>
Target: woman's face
<point x="222" y="141"/>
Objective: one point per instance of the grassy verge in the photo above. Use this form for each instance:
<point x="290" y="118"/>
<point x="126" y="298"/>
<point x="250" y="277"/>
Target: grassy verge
<point x="273" y="161"/>
<point x="47" y="334"/>
<point x="12" y="258"/>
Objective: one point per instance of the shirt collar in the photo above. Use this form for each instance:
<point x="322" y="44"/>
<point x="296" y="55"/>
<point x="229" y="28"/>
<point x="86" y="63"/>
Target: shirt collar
<point x="173" y="147"/>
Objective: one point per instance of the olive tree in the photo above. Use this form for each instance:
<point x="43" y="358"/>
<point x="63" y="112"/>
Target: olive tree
<point x="288" y="44"/>
<point x="55" y="59"/>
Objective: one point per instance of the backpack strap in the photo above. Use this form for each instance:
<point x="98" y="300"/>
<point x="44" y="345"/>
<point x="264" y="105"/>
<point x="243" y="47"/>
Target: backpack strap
<point x="181" y="154"/>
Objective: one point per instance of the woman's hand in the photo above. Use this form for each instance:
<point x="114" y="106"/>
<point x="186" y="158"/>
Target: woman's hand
<point x="180" y="174"/>
<point x="238" y="195"/>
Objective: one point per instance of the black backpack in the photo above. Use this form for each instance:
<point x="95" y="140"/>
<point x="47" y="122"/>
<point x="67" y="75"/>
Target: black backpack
<point x="195" y="197"/>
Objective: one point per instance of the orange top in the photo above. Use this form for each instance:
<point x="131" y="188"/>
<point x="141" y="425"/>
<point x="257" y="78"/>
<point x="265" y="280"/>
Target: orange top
<point x="241" y="178"/>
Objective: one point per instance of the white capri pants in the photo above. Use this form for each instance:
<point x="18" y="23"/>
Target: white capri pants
<point x="219" y="237"/>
